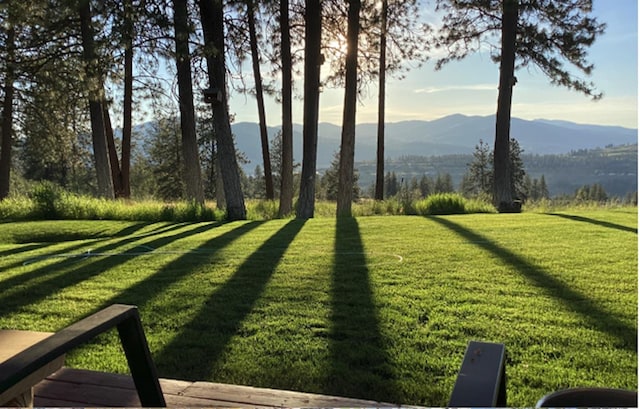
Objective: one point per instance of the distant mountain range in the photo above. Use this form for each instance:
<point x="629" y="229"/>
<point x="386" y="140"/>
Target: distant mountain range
<point x="454" y="134"/>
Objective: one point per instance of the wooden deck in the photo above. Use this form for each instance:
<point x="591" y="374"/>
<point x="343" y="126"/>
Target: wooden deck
<point x="81" y="388"/>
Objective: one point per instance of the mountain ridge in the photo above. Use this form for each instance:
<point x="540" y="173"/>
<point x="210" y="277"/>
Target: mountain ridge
<point x="452" y="134"/>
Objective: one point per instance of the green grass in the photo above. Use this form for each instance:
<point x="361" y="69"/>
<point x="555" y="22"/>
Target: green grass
<point x="371" y="307"/>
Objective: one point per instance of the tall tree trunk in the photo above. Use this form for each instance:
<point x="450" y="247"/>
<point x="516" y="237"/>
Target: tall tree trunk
<point x="6" y="133"/>
<point x="502" y="194"/>
<point x="286" y="168"/>
<point x="312" y="62"/>
<point x="125" y="165"/>
<point x="347" y="145"/>
<point x="264" y="136"/>
<point x="116" y="177"/>
<point x="379" y="193"/>
<point x="96" y="96"/>
<point x="192" y="176"/>
<point x="221" y="202"/>
<point x="212" y="18"/>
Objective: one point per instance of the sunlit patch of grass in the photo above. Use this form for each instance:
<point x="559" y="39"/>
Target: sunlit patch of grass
<point x="386" y="304"/>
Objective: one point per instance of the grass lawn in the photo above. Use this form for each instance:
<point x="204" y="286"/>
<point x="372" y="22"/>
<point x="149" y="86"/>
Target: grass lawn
<point x="373" y="307"/>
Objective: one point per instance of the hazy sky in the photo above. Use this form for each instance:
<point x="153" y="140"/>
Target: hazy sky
<point x="470" y="86"/>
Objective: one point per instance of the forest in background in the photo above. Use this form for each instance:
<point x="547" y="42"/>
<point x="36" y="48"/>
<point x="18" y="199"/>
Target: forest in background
<point x="613" y="167"/>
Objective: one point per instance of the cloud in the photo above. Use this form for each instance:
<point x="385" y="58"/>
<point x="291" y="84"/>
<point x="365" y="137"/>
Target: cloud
<point x="471" y="87"/>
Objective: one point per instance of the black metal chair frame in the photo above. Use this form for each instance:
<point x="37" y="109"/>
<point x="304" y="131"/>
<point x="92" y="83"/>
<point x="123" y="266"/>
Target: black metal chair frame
<point x="125" y="318"/>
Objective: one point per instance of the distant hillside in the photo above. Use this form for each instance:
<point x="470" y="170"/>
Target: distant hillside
<point x="614" y="167"/>
<point x="568" y="154"/>
<point x="454" y="134"/>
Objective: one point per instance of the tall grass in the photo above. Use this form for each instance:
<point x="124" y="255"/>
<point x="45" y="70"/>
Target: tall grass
<point x="47" y="201"/>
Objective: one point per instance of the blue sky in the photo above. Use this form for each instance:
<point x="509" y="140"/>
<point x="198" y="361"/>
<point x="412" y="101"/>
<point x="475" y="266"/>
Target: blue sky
<point x="470" y="86"/>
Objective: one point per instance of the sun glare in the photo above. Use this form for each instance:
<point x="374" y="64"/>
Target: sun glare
<point x="339" y="44"/>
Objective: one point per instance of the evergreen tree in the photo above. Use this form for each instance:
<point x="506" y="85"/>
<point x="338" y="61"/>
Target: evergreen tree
<point x="391" y="184"/>
<point x="480" y="171"/>
<point x="443" y="183"/>
<point x="212" y="20"/>
<point x="328" y="189"/>
<point x="547" y="34"/>
<point x="517" y="172"/>
<point x="312" y="62"/>
<point x="426" y="186"/>
<point x="165" y="157"/>
<point x="348" y="139"/>
<point x="544" y="191"/>
<point x="193" y="178"/>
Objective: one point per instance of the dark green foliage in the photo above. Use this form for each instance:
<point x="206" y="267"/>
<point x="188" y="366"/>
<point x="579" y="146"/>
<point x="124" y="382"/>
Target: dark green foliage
<point x="390" y="184"/>
<point x="478" y="180"/>
<point x="517" y="169"/>
<point x="550" y="35"/>
<point x="46" y="196"/>
<point x="328" y="189"/>
<point x="166" y="159"/>
<point x="595" y="193"/>
<point x="535" y="189"/>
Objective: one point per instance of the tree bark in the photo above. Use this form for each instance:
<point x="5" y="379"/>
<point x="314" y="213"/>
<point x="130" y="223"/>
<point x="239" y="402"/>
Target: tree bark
<point x="125" y="165"/>
<point x="347" y="145"/>
<point x="96" y="96"/>
<point x="264" y="136"/>
<point x="6" y="133"/>
<point x="379" y="193"/>
<point x="312" y="62"/>
<point x="114" y="163"/>
<point x="286" y="168"/>
<point x="192" y="176"/>
<point x="212" y="18"/>
<point x="502" y="194"/>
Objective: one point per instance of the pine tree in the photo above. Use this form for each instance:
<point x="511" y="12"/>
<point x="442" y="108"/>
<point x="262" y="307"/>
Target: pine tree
<point x="312" y="62"/>
<point x="547" y="34"/>
<point x="544" y="191"/>
<point x="348" y="140"/>
<point x="479" y="171"/>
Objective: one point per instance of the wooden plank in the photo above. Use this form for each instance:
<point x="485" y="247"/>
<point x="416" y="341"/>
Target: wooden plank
<point x="186" y="401"/>
<point x="174" y="387"/>
<point x="87" y="395"/>
<point x="87" y="377"/>
<point x="80" y="388"/>
<point x="271" y="397"/>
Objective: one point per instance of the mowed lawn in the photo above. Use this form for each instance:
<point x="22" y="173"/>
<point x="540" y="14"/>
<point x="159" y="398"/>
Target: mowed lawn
<point x="373" y="307"/>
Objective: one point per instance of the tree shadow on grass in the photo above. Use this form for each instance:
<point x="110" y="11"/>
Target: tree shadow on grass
<point x="24" y="243"/>
<point x="589" y="309"/>
<point x="52" y="278"/>
<point x="147" y="289"/>
<point x="24" y="248"/>
<point x="360" y="364"/>
<point x="66" y="254"/>
<point x="199" y="346"/>
<point x="596" y="222"/>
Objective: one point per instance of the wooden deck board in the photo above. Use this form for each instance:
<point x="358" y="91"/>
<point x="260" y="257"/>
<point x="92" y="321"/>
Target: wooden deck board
<point x="81" y="388"/>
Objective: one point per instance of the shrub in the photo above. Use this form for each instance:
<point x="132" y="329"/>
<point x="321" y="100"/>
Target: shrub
<point x="441" y="204"/>
<point x="45" y="196"/>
